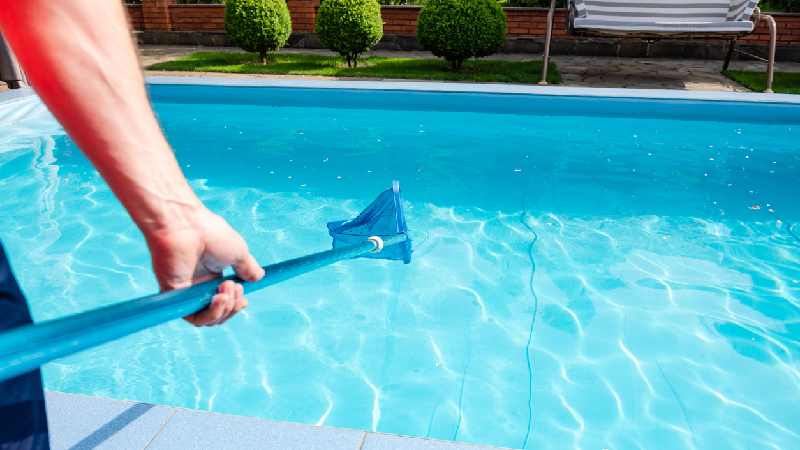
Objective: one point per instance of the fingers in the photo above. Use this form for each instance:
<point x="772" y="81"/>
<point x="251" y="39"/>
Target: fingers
<point x="248" y="269"/>
<point x="228" y="301"/>
<point x="240" y="303"/>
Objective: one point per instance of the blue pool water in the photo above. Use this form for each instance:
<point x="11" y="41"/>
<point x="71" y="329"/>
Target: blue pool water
<point x="588" y="273"/>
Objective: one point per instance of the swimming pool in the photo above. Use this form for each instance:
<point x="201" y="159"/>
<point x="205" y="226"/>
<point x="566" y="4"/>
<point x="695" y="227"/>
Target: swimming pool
<point x="588" y="272"/>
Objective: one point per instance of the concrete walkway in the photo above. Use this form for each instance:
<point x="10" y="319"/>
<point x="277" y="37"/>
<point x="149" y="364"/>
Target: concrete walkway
<point x="80" y="422"/>
<point x="644" y="73"/>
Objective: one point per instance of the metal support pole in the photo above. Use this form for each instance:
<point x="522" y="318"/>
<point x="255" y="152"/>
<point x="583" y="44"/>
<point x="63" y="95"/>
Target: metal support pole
<point x="773" y="37"/>
<point x="728" y="55"/>
<point x="547" y="38"/>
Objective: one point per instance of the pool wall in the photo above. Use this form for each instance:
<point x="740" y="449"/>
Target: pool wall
<point x="489" y="88"/>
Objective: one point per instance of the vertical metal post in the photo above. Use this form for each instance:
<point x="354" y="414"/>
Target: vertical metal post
<point x="728" y="55"/>
<point x="547" y="38"/>
<point x="773" y="37"/>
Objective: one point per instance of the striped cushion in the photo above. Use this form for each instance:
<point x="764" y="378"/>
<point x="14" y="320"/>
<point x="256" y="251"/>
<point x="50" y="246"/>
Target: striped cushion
<point x="741" y="9"/>
<point x="665" y="26"/>
<point x="669" y="11"/>
<point x="580" y="8"/>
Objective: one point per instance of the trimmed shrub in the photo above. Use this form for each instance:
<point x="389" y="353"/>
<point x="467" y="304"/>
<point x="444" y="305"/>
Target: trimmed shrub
<point x="349" y="27"/>
<point x="258" y="25"/>
<point x="460" y="29"/>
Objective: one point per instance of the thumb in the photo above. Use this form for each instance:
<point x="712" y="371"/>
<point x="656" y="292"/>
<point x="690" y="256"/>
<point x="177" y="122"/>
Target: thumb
<point x="248" y="269"/>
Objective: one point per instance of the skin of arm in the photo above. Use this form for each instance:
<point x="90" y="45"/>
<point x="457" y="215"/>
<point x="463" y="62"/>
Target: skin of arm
<point x="80" y="58"/>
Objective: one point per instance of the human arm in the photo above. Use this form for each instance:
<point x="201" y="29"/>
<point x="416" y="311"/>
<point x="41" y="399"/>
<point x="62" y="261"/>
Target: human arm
<point x="80" y="59"/>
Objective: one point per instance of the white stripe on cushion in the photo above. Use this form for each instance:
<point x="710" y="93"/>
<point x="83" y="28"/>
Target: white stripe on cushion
<point x="680" y="13"/>
<point x="672" y="10"/>
<point x="634" y="17"/>
<point x="741" y="9"/>
<point x="580" y="8"/>
<point x="665" y="3"/>
<point x="665" y="26"/>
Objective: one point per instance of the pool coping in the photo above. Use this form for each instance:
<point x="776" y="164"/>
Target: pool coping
<point x="15" y="94"/>
<point x="485" y="88"/>
<point x="82" y="422"/>
<point x="456" y="87"/>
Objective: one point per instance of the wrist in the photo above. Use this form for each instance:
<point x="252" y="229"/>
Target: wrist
<point x="175" y="211"/>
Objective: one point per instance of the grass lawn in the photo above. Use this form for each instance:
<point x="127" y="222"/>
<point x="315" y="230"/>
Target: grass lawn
<point x="784" y="82"/>
<point x="373" y="66"/>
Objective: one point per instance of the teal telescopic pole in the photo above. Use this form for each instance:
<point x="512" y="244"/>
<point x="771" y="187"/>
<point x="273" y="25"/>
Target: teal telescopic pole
<point x="26" y="348"/>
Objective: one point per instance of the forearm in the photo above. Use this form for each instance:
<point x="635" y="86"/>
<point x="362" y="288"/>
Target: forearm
<point x="87" y="72"/>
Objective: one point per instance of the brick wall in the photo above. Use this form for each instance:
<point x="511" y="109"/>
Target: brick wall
<point x="522" y="22"/>
<point x="304" y="14"/>
<point x="209" y="17"/>
<point x="135" y="17"/>
<point x="527" y="22"/>
<point x="197" y="17"/>
<point x="155" y="15"/>
<point x="788" y="26"/>
<point x="401" y="21"/>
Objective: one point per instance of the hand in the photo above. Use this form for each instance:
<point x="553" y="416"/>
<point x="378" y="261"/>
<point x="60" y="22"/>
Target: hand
<point x="198" y="250"/>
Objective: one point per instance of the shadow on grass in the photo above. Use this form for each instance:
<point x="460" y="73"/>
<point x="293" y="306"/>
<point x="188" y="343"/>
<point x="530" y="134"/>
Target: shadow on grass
<point x="371" y="67"/>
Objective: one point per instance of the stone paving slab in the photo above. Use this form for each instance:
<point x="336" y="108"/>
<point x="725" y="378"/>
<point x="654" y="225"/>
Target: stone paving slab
<point x="80" y="422"/>
<point x="582" y="71"/>
<point x="379" y="441"/>
<point x="200" y="430"/>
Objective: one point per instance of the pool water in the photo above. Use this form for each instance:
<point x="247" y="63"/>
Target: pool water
<point x="588" y="272"/>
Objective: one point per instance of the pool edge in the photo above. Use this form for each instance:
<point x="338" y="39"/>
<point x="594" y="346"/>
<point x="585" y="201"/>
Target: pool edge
<point x="12" y="95"/>
<point x="454" y="87"/>
<point x="84" y="421"/>
<point x="486" y="88"/>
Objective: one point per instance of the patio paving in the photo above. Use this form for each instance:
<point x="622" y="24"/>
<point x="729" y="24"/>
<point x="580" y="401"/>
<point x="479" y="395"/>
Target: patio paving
<point x="583" y="71"/>
<point x="80" y="422"/>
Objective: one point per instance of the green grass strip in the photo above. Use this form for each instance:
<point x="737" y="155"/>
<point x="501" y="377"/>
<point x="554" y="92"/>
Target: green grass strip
<point x="371" y="67"/>
<point x="783" y="83"/>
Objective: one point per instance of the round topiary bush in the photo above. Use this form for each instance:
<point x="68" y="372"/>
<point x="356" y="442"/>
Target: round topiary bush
<point x="349" y="27"/>
<point x="460" y="29"/>
<point x="258" y="25"/>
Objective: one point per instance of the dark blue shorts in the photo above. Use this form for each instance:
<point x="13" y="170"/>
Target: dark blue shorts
<point x="23" y="421"/>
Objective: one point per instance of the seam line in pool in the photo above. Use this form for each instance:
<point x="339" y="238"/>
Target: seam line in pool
<point x="534" y="311"/>
<point x="461" y="389"/>
<point x="679" y="401"/>
<point x="158" y="433"/>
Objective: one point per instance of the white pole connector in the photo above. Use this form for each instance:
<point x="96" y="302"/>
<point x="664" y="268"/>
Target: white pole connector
<point x="378" y="243"/>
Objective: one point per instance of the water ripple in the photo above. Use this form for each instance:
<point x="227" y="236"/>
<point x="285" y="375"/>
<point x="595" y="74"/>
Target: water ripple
<point x="659" y="306"/>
